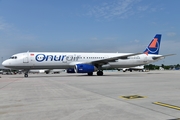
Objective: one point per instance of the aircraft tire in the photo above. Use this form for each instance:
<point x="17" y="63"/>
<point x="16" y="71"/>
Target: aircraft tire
<point x="99" y="73"/>
<point x="90" y="74"/>
<point x="25" y="75"/>
<point x="47" y="72"/>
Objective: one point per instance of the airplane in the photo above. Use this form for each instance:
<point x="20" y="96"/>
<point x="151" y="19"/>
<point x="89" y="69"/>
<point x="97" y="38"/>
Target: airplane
<point x="47" y="71"/>
<point x="82" y="62"/>
<point x="139" y="68"/>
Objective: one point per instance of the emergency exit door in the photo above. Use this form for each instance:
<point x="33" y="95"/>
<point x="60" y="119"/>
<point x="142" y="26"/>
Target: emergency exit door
<point x="26" y="57"/>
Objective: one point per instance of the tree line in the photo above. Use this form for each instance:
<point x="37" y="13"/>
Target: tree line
<point x="166" y="67"/>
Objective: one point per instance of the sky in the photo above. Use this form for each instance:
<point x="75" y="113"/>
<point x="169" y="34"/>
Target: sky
<point x="89" y="26"/>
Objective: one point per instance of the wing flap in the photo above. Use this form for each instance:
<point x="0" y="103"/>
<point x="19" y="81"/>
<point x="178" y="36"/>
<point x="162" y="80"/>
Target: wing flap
<point x="113" y="59"/>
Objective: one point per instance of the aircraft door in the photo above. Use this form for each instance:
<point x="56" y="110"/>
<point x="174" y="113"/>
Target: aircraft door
<point x="26" y="58"/>
<point x="106" y="57"/>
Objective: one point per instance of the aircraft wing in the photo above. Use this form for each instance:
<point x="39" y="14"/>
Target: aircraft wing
<point x="113" y="59"/>
<point x="163" y="56"/>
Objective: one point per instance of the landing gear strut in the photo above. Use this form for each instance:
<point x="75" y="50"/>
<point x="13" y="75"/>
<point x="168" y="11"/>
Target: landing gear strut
<point x="26" y="73"/>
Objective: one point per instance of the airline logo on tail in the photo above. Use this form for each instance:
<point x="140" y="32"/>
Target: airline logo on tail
<point x="154" y="46"/>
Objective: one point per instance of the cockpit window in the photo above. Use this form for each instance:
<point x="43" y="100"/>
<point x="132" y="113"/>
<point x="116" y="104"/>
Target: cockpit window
<point x="13" y="57"/>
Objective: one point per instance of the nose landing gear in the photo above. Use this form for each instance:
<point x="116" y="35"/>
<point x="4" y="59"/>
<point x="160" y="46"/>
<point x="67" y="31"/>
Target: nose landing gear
<point x="26" y="73"/>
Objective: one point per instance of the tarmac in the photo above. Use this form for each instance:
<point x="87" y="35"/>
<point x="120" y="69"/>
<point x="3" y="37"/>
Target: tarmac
<point x="153" y="95"/>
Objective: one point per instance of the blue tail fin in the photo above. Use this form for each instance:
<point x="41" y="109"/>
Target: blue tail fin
<point x="154" y="46"/>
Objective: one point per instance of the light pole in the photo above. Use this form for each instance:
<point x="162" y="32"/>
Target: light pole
<point x="1" y="59"/>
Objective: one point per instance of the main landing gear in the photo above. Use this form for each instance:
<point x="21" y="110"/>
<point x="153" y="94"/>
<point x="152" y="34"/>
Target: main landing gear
<point x="90" y="74"/>
<point x="99" y="73"/>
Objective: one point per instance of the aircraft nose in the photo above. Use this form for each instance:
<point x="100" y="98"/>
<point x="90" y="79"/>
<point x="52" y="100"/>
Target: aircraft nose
<point x="5" y="63"/>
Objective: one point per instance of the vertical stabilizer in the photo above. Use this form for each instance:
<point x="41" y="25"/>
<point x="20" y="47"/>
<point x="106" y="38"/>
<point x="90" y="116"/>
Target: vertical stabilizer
<point x="154" y="46"/>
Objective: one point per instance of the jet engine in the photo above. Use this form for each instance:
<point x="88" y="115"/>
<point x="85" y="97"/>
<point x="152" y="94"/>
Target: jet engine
<point x="84" y="68"/>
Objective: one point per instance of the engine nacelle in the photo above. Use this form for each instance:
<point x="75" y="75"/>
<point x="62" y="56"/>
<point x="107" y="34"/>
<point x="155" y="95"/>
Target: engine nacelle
<point x="70" y="70"/>
<point x="84" y="68"/>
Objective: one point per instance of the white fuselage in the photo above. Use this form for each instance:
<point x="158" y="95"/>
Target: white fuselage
<point x="65" y="60"/>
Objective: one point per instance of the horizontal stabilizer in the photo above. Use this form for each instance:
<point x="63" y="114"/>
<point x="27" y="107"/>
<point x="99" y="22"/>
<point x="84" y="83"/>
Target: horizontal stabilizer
<point x="163" y="56"/>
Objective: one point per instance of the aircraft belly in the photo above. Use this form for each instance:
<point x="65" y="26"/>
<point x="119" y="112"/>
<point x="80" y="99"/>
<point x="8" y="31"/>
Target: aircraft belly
<point x="51" y="65"/>
<point x="123" y="63"/>
<point x="44" y="65"/>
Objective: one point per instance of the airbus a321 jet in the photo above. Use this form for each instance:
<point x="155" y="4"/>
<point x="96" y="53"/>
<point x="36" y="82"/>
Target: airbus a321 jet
<point x="75" y="62"/>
